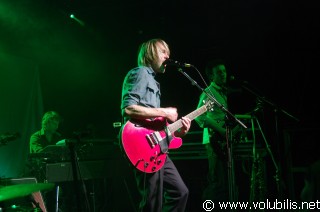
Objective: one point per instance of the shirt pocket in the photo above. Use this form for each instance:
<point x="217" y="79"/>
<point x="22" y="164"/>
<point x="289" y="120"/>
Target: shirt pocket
<point x="152" y="97"/>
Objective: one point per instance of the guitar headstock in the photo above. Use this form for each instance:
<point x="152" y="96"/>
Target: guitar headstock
<point x="209" y="105"/>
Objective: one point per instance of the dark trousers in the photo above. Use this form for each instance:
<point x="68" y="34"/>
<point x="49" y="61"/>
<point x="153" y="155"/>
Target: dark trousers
<point x="163" y="190"/>
<point x="218" y="186"/>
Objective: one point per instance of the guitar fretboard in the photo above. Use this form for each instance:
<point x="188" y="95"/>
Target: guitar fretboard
<point x="178" y="124"/>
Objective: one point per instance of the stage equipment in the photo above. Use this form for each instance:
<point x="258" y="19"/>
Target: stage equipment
<point x="13" y="189"/>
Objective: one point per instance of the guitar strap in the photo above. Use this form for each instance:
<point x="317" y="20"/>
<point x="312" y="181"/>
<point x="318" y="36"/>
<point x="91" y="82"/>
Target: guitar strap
<point x="164" y="143"/>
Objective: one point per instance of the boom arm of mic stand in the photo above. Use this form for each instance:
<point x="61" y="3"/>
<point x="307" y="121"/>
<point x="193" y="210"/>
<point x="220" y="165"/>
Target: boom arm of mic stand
<point x="269" y="102"/>
<point x="212" y="98"/>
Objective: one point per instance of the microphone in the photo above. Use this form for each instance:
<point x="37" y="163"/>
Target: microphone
<point x="232" y="78"/>
<point x="236" y="80"/>
<point x="176" y="63"/>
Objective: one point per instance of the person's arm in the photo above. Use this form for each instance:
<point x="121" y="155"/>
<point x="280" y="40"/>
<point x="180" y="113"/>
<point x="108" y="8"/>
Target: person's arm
<point x="206" y="120"/>
<point x="201" y="119"/>
<point x="170" y="113"/>
<point x="35" y="145"/>
<point x="141" y="112"/>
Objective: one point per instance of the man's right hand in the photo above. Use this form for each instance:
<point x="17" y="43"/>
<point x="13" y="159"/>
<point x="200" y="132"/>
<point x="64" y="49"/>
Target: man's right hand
<point x="171" y="113"/>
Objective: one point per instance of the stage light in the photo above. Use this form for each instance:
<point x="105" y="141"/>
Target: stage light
<point x="72" y="16"/>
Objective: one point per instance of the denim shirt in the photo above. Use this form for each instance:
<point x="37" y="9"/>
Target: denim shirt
<point x="140" y="88"/>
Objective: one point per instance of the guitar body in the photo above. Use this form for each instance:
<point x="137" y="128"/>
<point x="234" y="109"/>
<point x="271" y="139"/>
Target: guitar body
<point x="141" y="141"/>
<point x="146" y="142"/>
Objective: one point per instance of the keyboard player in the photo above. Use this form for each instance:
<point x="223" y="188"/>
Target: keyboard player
<point x="39" y="140"/>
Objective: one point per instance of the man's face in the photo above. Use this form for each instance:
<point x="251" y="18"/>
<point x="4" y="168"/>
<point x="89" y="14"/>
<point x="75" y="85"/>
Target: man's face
<point x="220" y="75"/>
<point x="163" y="55"/>
<point x="52" y="126"/>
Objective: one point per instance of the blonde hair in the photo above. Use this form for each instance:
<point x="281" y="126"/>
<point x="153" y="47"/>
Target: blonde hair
<point x="148" y="51"/>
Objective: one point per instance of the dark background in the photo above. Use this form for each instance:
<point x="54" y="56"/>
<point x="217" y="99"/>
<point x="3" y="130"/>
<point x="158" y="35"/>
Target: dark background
<point x="272" y="45"/>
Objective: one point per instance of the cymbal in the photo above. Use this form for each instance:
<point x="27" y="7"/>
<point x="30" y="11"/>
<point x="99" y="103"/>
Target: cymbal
<point x="20" y="190"/>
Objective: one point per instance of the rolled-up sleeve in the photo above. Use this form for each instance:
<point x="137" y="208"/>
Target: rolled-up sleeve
<point x="132" y="88"/>
<point x="140" y="88"/>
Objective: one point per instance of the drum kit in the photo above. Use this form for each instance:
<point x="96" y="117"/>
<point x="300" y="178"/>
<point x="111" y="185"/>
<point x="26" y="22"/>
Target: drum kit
<point x="14" y="192"/>
<point x="21" y="190"/>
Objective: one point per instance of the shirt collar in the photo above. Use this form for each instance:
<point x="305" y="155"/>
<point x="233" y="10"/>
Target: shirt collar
<point x="151" y="71"/>
<point x="214" y="84"/>
<point x="41" y="132"/>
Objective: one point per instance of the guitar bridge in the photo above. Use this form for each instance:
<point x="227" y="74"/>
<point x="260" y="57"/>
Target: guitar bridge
<point x="154" y="138"/>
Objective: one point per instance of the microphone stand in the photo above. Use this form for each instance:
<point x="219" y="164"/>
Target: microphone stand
<point x="276" y="110"/>
<point x="77" y="178"/>
<point x="213" y="99"/>
<point x="229" y="116"/>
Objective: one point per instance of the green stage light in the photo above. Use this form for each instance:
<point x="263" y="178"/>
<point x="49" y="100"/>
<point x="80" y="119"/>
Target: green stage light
<point x="72" y="16"/>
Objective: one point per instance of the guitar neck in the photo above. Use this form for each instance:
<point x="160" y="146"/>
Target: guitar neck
<point x="178" y="124"/>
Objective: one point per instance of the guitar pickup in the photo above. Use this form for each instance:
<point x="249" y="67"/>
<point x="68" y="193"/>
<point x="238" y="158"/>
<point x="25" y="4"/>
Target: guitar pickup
<point x="154" y="138"/>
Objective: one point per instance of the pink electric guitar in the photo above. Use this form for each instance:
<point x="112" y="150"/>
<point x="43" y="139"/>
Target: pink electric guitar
<point x="146" y="142"/>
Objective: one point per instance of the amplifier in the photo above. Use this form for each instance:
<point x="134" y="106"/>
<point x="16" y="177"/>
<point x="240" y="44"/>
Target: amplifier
<point x="60" y="172"/>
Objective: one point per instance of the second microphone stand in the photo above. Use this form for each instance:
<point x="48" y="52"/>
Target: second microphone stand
<point x="277" y="109"/>
<point x="230" y="117"/>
